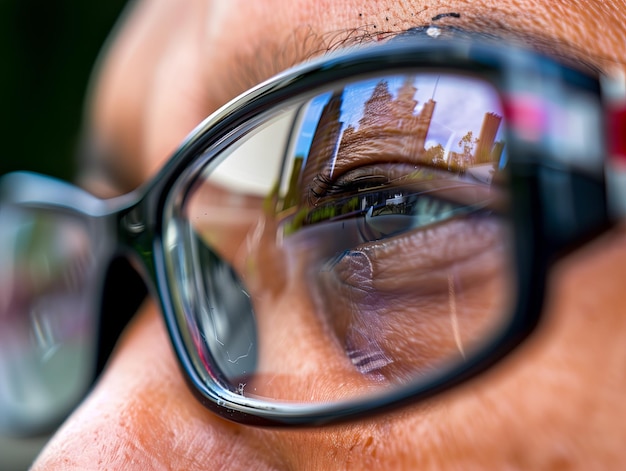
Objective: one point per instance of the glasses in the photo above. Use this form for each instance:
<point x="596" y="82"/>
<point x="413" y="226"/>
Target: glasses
<point x="359" y="233"/>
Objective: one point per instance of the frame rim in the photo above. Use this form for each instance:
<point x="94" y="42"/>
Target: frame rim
<point x="497" y="65"/>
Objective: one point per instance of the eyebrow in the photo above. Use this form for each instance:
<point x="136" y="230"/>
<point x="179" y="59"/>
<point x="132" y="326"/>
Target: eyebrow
<point x="270" y="58"/>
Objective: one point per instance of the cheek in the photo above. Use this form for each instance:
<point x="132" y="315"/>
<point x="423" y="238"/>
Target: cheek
<point x="557" y="403"/>
<point x="142" y="416"/>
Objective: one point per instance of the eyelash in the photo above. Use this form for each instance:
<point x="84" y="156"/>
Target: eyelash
<point x="324" y="185"/>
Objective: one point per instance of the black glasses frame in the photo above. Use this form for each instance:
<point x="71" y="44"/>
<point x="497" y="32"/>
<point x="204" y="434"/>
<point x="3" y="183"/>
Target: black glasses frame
<point x="132" y="226"/>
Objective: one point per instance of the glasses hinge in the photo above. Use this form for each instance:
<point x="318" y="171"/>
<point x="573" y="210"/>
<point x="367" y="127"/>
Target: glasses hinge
<point x="614" y="91"/>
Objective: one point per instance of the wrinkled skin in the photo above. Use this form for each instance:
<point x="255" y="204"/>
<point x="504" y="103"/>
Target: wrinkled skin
<point x="556" y="403"/>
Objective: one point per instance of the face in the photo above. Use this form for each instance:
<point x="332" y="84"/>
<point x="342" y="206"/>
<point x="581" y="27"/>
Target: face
<point x="557" y="402"/>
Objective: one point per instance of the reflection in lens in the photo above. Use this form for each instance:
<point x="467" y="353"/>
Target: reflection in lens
<point x="368" y="224"/>
<point x="46" y="328"/>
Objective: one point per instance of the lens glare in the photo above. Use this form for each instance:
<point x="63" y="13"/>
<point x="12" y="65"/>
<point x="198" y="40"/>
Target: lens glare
<point x="365" y="235"/>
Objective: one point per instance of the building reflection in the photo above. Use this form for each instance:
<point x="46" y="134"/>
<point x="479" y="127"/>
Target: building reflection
<point x="391" y="130"/>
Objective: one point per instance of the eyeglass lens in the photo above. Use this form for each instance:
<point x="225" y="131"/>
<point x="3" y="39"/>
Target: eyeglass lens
<point x="47" y="340"/>
<point x="354" y="241"/>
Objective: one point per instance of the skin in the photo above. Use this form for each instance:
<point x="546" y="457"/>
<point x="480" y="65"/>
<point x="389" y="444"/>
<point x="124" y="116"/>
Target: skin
<point x="556" y="403"/>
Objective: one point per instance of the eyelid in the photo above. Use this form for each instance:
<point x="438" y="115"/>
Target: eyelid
<point x="444" y="187"/>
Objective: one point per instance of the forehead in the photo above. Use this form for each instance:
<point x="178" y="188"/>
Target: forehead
<point x="172" y="65"/>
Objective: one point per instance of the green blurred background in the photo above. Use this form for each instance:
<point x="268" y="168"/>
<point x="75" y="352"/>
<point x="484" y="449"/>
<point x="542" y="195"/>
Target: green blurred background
<point x="47" y="51"/>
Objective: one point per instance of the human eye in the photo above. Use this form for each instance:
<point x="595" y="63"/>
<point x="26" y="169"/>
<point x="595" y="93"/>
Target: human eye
<point x="389" y="199"/>
<point x="372" y="213"/>
<point x="405" y="223"/>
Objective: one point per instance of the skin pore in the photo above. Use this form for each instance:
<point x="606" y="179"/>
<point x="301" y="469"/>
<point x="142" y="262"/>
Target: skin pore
<point x="557" y="403"/>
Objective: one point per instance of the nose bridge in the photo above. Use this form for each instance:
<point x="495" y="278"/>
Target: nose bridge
<point x="135" y="221"/>
<point x="130" y="222"/>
